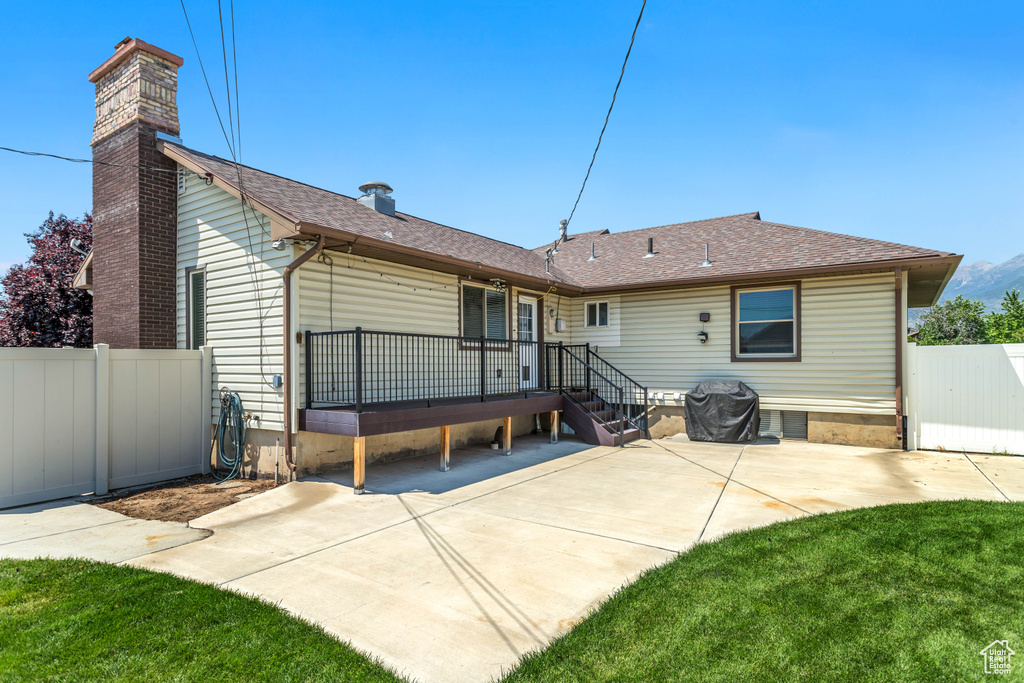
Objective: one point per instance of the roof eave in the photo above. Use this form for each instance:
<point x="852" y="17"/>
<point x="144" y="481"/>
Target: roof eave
<point x="380" y="249"/>
<point x="83" y="278"/>
<point x="819" y="271"/>
<point x="230" y="187"/>
<point x="950" y="271"/>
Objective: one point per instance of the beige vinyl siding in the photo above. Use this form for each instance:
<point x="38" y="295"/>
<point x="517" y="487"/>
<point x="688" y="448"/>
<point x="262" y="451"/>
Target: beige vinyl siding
<point x="212" y="233"/>
<point x="601" y="337"/>
<point x="848" y="342"/>
<point x="366" y="295"/>
<point x="562" y="307"/>
<point x="381" y="296"/>
<point x="387" y="297"/>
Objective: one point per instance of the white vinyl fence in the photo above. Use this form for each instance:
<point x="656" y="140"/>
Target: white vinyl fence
<point x="966" y="398"/>
<point x="76" y="421"/>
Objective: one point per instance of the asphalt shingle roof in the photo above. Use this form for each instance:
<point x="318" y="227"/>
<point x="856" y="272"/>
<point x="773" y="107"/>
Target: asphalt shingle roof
<point x="308" y="204"/>
<point x="739" y="245"/>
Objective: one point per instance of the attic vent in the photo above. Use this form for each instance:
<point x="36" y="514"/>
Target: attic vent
<point x="378" y="197"/>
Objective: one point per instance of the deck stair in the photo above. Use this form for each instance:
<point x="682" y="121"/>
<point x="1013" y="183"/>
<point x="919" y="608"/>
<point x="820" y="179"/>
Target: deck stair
<point x="595" y="421"/>
<point x="601" y="403"/>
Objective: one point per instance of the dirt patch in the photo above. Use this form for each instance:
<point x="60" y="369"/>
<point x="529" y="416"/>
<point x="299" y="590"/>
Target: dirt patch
<point x="182" y="500"/>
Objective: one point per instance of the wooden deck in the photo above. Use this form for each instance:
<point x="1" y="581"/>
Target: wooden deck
<point x="388" y="418"/>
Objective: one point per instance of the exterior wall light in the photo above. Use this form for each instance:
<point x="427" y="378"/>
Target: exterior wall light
<point x="702" y="335"/>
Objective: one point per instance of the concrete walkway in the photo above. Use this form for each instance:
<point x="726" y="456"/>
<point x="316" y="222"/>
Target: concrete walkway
<point x="453" y="576"/>
<point x="66" y="528"/>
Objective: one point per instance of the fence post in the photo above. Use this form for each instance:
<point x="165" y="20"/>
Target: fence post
<point x="545" y="379"/>
<point x="622" y="420"/>
<point x="206" y="405"/>
<point x="102" y="418"/>
<point x="483" y="371"/>
<point x="587" y="369"/>
<point x="647" y="417"/>
<point x="309" y="368"/>
<point x="912" y="432"/>
<point x="561" y="377"/>
<point x="359" y="369"/>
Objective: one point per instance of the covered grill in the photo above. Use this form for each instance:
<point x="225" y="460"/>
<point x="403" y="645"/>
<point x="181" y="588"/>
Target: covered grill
<point x="724" y="411"/>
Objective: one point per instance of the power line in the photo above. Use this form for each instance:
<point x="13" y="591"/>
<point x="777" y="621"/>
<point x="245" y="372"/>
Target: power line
<point x="227" y="82"/>
<point x="234" y="57"/>
<point x="608" y="115"/>
<point x="234" y="150"/>
<point x="203" y="69"/>
<point x="88" y="161"/>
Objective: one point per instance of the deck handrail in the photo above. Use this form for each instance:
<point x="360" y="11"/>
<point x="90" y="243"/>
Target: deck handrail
<point x="356" y="368"/>
<point x="590" y="373"/>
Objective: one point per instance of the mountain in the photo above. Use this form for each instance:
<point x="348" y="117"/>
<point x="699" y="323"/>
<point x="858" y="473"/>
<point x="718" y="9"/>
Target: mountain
<point x="985" y="281"/>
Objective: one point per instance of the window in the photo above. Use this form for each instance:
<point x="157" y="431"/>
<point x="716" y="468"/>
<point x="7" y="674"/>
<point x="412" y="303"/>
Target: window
<point x="597" y="314"/>
<point x="196" y="325"/>
<point x="766" y="323"/>
<point x="484" y="313"/>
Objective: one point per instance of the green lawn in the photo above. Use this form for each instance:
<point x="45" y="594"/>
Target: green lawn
<point x="895" y="593"/>
<point x="902" y="592"/>
<point x="68" y="620"/>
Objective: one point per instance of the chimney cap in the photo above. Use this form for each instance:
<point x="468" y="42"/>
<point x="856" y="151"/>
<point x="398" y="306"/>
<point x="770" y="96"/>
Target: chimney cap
<point x="366" y="188"/>
<point x="124" y="49"/>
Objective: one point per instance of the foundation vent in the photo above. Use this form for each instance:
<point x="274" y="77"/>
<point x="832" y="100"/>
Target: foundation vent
<point x="794" y="424"/>
<point x="771" y="424"/>
<point x="783" y="424"/>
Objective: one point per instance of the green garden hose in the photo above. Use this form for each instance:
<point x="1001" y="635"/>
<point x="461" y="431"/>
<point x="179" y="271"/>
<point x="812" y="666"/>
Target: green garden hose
<point x="231" y="428"/>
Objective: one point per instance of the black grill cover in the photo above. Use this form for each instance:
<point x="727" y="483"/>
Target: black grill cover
<point x="724" y="411"/>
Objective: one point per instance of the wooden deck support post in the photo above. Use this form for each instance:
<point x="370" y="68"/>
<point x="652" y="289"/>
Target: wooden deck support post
<point x="359" y="465"/>
<point x="554" y="426"/>
<point x="506" y="432"/>
<point x="446" y="443"/>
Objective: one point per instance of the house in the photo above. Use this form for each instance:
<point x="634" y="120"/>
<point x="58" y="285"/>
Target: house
<point x="355" y="331"/>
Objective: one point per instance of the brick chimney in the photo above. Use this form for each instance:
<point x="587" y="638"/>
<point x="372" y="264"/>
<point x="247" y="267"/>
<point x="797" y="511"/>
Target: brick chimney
<point x="134" y="209"/>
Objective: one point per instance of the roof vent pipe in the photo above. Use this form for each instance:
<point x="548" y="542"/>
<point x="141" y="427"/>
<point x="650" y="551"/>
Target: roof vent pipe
<point x="592" y="254"/>
<point x="707" y="261"/>
<point x="378" y="197"/>
<point x="650" y="248"/>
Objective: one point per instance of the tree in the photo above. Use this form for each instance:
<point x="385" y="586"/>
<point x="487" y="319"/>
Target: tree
<point x="1007" y="327"/>
<point x="38" y="305"/>
<point x="960" y="321"/>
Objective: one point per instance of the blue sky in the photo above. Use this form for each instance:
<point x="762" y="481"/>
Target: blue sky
<point x="893" y="120"/>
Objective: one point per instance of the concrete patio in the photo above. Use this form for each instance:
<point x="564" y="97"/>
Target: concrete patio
<point x="453" y="576"/>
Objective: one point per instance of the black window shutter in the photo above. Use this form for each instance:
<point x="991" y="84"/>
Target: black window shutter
<point x="472" y="312"/>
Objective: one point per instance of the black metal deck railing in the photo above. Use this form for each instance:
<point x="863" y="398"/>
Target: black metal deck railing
<point x="577" y="368"/>
<point x="357" y="368"/>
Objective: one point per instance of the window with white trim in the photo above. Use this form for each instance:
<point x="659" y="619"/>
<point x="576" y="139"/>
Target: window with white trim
<point x="767" y="322"/>
<point x="597" y="314"/>
<point x="484" y="312"/>
<point x="196" y="308"/>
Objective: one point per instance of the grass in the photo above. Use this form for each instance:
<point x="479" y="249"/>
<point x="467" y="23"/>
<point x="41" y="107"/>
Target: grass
<point x="72" y="620"/>
<point x="894" y="593"/>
